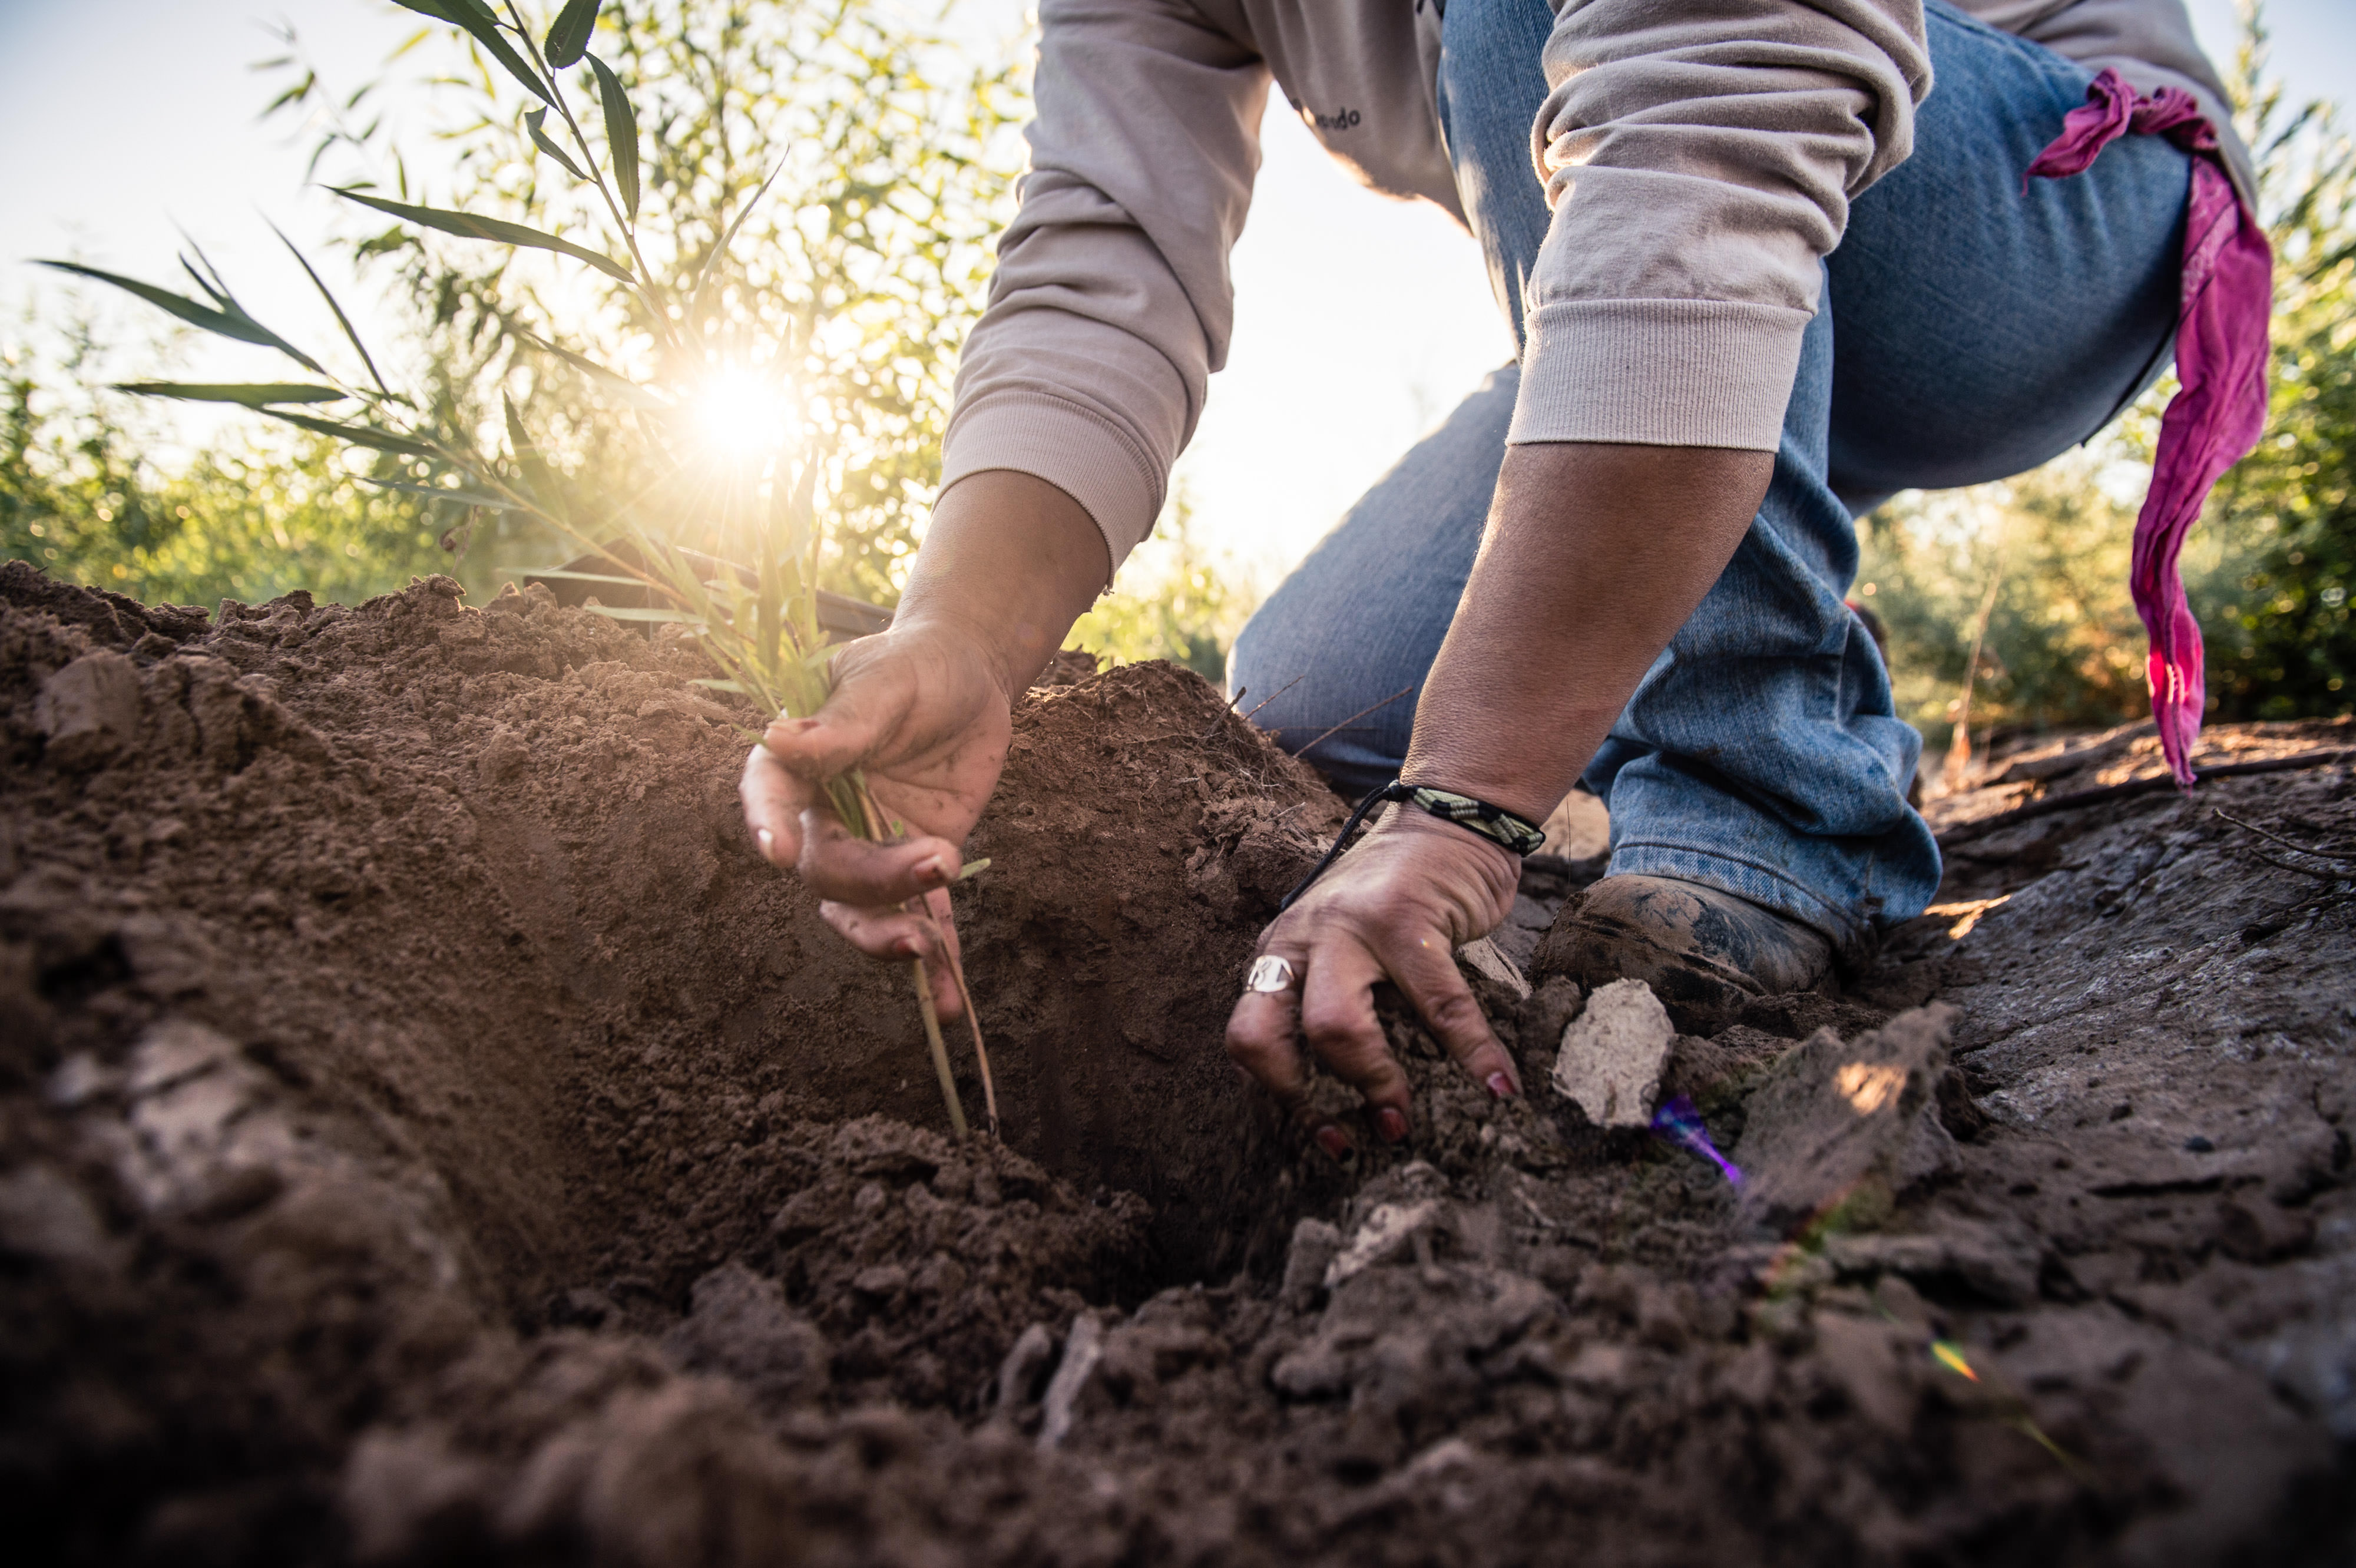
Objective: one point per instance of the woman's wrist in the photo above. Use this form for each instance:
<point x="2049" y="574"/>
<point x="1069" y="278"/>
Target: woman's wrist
<point x="1008" y="563"/>
<point x="1594" y="555"/>
<point x="1500" y="869"/>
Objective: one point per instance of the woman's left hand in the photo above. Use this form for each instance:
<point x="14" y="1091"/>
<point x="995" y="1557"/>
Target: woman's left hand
<point x="1396" y="907"/>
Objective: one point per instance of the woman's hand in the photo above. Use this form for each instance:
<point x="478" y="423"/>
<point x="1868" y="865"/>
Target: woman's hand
<point x="1008" y="561"/>
<point x="1593" y="556"/>
<point x="919" y="713"/>
<point x="1396" y="907"/>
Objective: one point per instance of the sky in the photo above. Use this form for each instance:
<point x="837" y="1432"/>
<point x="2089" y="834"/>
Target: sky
<point x="1359" y="321"/>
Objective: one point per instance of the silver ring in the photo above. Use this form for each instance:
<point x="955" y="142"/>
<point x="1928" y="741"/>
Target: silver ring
<point x="1269" y="974"/>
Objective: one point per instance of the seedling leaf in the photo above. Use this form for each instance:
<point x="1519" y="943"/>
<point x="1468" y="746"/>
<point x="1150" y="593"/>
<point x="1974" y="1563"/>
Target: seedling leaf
<point x="482" y="23"/>
<point x="621" y="134"/>
<point x="351" y="335"/>
<point x="542" y="140"/>
<point x="232" y="322"/>
<point x="358" y="434"/>
<point x="568" y="36"/>
<point x="466" y="498"/>
<point x="496" y="229"/>
<point x="260" y="395"/>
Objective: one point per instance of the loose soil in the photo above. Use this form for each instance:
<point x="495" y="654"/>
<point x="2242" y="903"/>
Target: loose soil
<point x="432" y="1135"/>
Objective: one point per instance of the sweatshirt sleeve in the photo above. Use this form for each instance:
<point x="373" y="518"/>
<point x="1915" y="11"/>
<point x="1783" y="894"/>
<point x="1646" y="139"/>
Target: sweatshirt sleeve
<point x="1113" y="303"/>
<point x="1700" y="157"/>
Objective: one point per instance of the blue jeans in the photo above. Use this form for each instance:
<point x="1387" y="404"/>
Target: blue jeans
<point x="1966" y="332"/>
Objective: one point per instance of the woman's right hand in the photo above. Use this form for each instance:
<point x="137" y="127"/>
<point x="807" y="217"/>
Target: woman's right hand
<point x="923" y="709"/>
<point x="918" y="711"/>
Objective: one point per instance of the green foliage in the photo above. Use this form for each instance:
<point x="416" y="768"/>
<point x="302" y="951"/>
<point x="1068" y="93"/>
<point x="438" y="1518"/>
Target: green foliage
<point x="1172" y="600"/>
<point x="2062" y="646"/>
<point x="792" y="248"/>
<point x="2281" y="643"/>
<point x="249" y="519"/>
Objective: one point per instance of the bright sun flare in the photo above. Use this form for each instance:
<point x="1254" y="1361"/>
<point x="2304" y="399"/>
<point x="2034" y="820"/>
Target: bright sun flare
<point x="743" y="414"/>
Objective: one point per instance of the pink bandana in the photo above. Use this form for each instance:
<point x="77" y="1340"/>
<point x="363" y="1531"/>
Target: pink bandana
<point x="2220" y="364"/>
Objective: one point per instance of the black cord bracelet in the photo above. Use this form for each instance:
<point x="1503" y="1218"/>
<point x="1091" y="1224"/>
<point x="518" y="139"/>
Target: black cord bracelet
<point x="1498" y="825"/>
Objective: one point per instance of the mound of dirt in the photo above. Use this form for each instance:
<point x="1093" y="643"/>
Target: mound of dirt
<point x="432" y="1135"/>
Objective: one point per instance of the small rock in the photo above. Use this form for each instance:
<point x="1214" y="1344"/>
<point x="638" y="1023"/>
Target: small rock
<point x="1385" y="1235"/>
<point x="44" y="1215"/>
<point x="89" y="710"/>
<point x="740" y="1325"/>
<point x="1081" y="1349"/>
<point x="1019" y="1373"/>
<point x="1486" y="959"/>
<point x="1314" y="1246"/>
<point x="1614" y="1053"/>
<point x="1836" y="1123"/>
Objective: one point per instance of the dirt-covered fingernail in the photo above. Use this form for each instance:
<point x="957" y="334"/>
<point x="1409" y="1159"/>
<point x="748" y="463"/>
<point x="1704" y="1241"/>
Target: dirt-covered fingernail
<point x="768" y="844"/>
<point x="1501" y="1086"/>
<point x="1391" y="1124"/>
<point x="1332" y="1139"/>
<point x="936" y="871"/>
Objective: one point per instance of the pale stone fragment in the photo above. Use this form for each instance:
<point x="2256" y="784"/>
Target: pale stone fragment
<point x="1381" y="1237"/>
<point x="1485" y="957"/>
<point x="1614" y="1053"/>
<point x="1082" y="1349"/>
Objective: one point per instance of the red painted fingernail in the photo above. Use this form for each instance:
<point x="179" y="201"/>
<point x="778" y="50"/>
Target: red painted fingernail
<point x="1501" y="1085"/>
<point x="1391" y="1124"/>
<point x="1332" y="1140"/>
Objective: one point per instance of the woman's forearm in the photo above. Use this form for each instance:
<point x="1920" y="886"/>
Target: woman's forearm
<point x="1010" y="560"/>
<point x="1593" y="557"/>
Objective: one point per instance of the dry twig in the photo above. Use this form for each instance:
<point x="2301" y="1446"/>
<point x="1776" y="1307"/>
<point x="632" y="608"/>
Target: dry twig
<point x="1354" y="718"/>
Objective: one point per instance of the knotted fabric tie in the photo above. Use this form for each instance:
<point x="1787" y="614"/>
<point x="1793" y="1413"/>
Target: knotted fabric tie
<point x="2220" y="409"/>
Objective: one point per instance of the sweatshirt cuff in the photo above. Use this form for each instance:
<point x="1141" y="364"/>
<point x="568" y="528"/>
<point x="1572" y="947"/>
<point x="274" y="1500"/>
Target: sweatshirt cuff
<point x="1080" y="453"/>
<point x="1658" y="372"/>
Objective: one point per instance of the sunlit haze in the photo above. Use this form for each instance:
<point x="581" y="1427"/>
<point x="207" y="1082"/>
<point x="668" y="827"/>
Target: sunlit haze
<point x="1359" y="321"/>
<point x="742" y="414"/>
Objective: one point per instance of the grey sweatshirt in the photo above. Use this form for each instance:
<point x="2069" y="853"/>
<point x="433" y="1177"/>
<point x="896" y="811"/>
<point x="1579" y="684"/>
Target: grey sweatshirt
<point x="1699" y="156"/>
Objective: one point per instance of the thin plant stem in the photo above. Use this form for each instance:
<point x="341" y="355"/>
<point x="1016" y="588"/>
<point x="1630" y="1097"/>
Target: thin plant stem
<point x="1354" y="718"/>
<point x="973" y="1022"/>
<point x="870" y="820"/>
<point x="1280" y="691"/>
<point x="940" y="1048"/>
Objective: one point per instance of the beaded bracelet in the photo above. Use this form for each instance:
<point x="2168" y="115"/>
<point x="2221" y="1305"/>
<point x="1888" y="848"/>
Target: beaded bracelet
<point x="1498" y="825"/>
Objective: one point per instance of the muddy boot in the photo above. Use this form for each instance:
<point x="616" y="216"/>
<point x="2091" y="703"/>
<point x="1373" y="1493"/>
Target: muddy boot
<point x="1704" y="953"/>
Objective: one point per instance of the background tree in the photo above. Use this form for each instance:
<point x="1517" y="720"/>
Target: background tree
<point x="2280" y="641"/>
